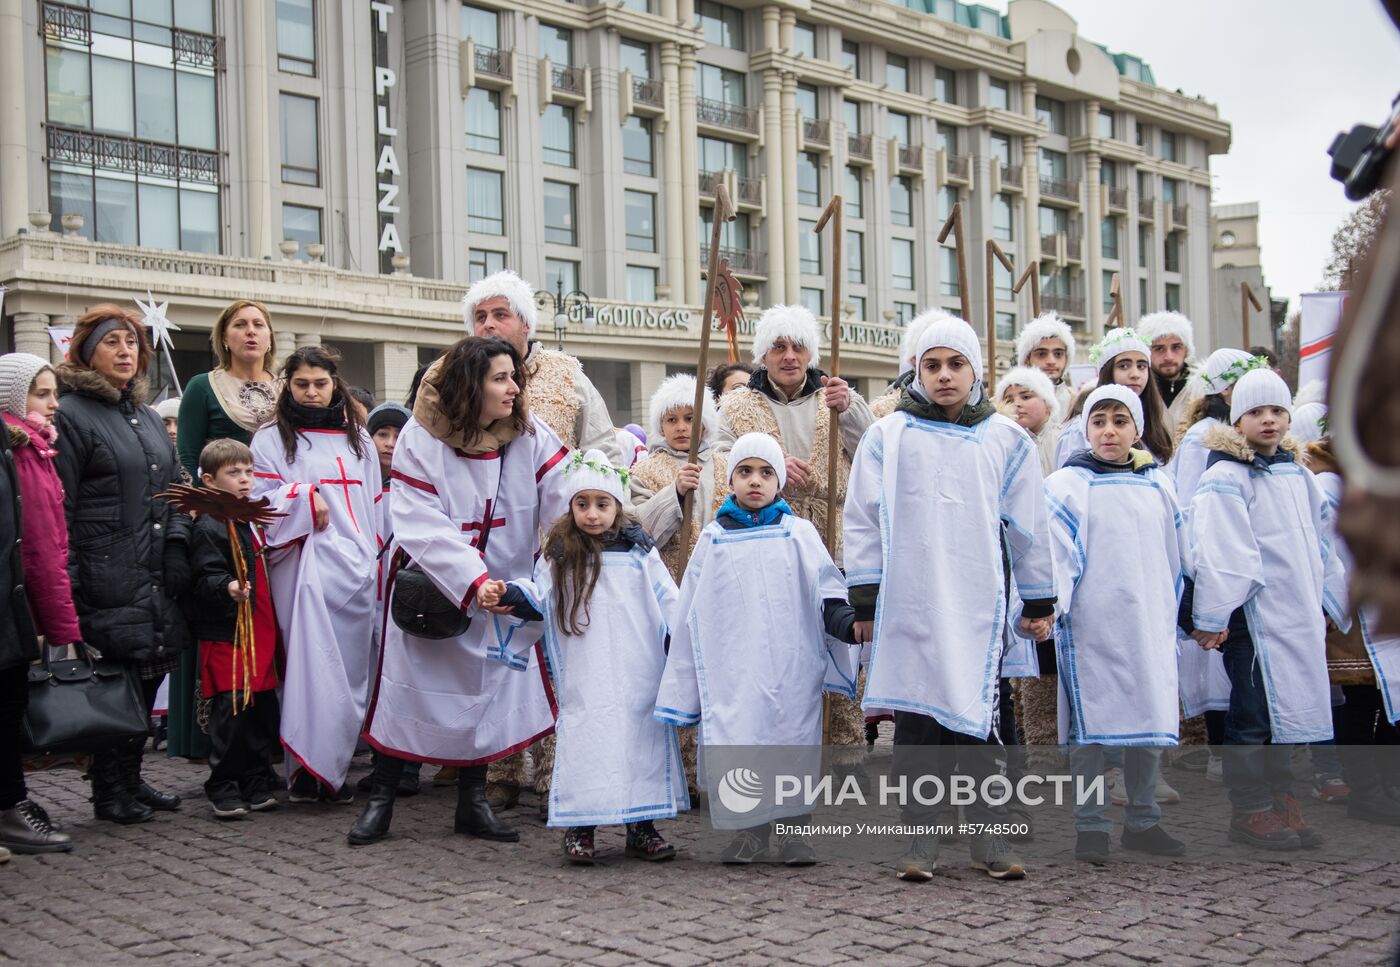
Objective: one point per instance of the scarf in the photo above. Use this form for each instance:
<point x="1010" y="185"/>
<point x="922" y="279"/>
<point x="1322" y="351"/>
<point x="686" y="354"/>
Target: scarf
<point x="329" y="417"/>
<point x="971" y="415"/>
<point x="427" y="412"/>
<point x="761" y="383"/>
<point x="249" y="403"/>
<point x="748" y="518"/>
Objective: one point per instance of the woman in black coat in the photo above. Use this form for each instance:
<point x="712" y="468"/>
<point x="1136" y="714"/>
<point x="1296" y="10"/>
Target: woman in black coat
<point x="127" y="555"/>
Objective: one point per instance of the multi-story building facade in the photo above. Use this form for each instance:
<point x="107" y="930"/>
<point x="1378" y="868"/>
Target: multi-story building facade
<point x="1236" y="259"/>
<point x="356" y="164"/>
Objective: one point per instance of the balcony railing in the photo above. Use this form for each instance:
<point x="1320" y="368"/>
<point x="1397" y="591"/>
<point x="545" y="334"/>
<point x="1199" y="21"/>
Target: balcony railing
<point x="1061" y="188"/>
<point x="959" y="166"/>
<point x="86" y="148"/>
<point x="1048" y="245"/>
<point x="911" y="156"/>
<point x="1147" y="209"/>
<point x="1179" y="214"/>
<point x="858" y="146"/>
<point x="494" y="62"/>
<point x="1070" y="305"/>
<point x="725" y="115"/>
<point x="198" y="50"/>
<point x="1013" y="176"/>
<point x="817" y="131"/>
<point x="749" y="191"/>
<point x="708" y="180"/>
<point x="742" y="261"/>
<point x="1074" y="248"/>
<point x="62" y="22"/>
<point x="1118" y="198"/>
<point x="649" y="91"/>
<point x="570" y="80"/>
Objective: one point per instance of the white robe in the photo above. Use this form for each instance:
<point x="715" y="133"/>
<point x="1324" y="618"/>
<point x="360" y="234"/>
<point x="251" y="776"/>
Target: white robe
<point x="1384" y="652"/>
<point x="323" y="587"/>
<point x="1071" y="441"/>
<point x="614" y="762"/>
<point x="1120" y="566"/>
<point x="446" y="700"/>
<point x="1259" y="542"/>
<point x="924" y="515"/>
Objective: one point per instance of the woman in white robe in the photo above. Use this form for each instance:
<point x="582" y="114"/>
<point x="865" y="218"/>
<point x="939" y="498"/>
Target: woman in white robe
<point x="321" y="566"/>
<point x="472" y="467"/>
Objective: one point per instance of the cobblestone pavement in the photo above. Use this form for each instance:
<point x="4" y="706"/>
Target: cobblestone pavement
<point x="284" y="887"/>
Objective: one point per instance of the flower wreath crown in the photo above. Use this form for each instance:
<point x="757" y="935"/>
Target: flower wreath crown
<point x="1096" y="352"/>
<point x="1234" y="371"/>
<point x="580" y="460"/>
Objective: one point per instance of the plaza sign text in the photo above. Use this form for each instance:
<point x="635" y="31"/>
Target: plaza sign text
<point x="386" y="168"/>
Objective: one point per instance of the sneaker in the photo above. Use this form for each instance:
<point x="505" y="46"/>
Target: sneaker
<point x="1193" y="760"/>
<point x="26" y="828"/>
<point x="746" y="847"/>
<point x="1092" y="847"/>
<point x="446" y="776"/>
<point x="1117" y="792"/>
<point x="993" y="856"/>
<point x="1334" y="792"/>
<point x="796" y="851"/>
<point x="645" y="843"/>
<point x="1265" y="829"/>
<point x="263" y="801"/>
<point x="1215" y="769"/>
<point x="1374" y="806"/>
<point x="4" y="855"/>
<point x="1019" y="816"/>
<point x="1164" y="793"/>
<point x="919" y="862"/>
<point x="1291" y="811"/>
<point x="340" y="797"/>
<point x="1155" y="840"/>
<point x="230" y="809"/>
<point x="578" y="845"/>
<point x="304" y="788"/>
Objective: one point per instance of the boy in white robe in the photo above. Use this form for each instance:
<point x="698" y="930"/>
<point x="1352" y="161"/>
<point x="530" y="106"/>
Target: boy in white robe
<point x="614" y="762"/>
<point x="761" y="620"/>
<point x="1264" y="574"/>
<point x="933" y="486"/>
<point x="1120" y="554"/>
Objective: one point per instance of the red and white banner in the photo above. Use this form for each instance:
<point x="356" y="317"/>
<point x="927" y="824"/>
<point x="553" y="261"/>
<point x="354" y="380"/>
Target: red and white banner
<point x="1317" y="326"/>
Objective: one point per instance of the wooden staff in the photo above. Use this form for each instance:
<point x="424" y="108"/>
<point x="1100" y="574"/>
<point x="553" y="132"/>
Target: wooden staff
<point x="832" y="213"/>
<point x="993" y="251"/>
<point x="1031" y="275"/>
<point x="1247" y="298"/>
<point x="724" y="212"/>
<point x="1115" y="315"/>
<point x="954" y="224"/>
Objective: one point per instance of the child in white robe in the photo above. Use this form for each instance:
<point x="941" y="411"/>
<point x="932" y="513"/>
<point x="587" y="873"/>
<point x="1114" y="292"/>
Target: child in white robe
<point x="761" y="620"/>
<point x="1047" y="344"/>
<point x="1124" y="359"/>
<point x="1264" y="574"/>
<point x="1028" y="397"/>
<point x="933" y="487"/>
<point x="606" y="601"/>
<point x="1120" y="555"/>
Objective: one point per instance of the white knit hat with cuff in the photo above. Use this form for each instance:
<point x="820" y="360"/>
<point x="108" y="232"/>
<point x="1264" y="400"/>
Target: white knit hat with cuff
<point x="1115" y="393"/>
<point x="758" y="446"/>
<point x="1259" y="387"/>
<point x="591" y="471"/>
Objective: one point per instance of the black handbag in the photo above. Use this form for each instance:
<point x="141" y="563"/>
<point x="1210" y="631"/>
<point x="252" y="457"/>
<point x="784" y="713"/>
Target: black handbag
<point x="78" y="706"/>
<point x="416" y="604"/>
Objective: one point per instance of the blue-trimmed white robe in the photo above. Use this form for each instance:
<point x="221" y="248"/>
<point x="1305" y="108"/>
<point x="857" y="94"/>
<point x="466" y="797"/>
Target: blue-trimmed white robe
<point x="1120" y="566"/>
<point x="1259" y="541"/>
<point x="1072" y="440"/>
<point x="924" y="513"/>
<point x="614" y="762"/>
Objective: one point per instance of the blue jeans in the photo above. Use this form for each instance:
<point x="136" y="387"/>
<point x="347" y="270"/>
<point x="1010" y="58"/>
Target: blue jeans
<point x="1140" y="767"/>
<point x="1256" y="771"/>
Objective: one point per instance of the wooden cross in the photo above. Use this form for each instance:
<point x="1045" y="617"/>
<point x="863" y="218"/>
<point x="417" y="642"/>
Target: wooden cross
<point x="993" y="251"/>
<point x="1115" y="315"/>
<point x="1247" y="298"/>
<point x="1031" y="275"/>
<point x="832" y="213"/>
<point x="954" y="224"/>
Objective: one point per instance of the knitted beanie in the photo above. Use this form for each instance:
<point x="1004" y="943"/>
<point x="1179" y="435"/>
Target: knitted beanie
<point x="591" y="471"/>
<point x="1115" y="393"/>
<point x="760" y="446"/>
<point x="1259" y="387"/>
<point x="387" y="414"/>
<point x="17" y="374"/>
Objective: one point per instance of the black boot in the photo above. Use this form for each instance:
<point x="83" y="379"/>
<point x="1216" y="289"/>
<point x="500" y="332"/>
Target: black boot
<point x="111" y="800"/>
<point x="131" y="771"/>
<point x="474" y="816"/>
<point x="373" y="824"/>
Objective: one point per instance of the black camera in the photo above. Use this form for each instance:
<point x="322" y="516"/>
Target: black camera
<point x="1359" y="157"/>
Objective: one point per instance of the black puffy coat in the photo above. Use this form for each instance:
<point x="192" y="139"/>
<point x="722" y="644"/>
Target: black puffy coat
<point x="126" y="550"/>
<point x="18" y="645"/>
<point x="213" y="614"/>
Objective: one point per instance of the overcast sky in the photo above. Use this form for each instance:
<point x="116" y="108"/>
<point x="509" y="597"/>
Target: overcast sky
<point x="1287" y="75"/>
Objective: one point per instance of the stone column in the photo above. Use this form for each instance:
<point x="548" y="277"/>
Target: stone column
<point x="1094" y="292"/>
<point x="673" y="195"/>
<point x="32" y="334"/>
<point x="258" y="143"/>
<point x="1030" y="164"/>
<point x="790" y="263"/>
<point x="646" y="377"/>
<point x="690" y="174"/>
<point x="14" y="124"/>
<point x="776" y="215"/>
<point x="307" y="339"/>
<point x="394" y="366"/>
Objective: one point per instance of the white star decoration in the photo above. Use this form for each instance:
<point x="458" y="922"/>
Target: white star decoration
<point x="154" y="316"/>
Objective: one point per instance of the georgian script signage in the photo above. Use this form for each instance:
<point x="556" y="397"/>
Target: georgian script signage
<point x="386" y="168"/>
<point x="633" y="317"/>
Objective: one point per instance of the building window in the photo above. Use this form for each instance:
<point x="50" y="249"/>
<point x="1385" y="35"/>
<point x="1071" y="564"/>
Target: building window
<point x="482" y="109"/>
<point x="641" y="6"/>
<point x="641" y="221"/>
<point x="850" y="57"/>
<point x="723" y="26"/>
<point x="296" y="37"/>
<point x="302" y="224"/>
<point x="560" y="273"/>
<point x="1107" y="290"/>
<point x="809" y="183"/>
<point x="902" y="201"/>
<point x="897" y="72"/>
<point x="1143" y="307"/>
<point x="1002" y="222"/>
<point x="1054" y="282"/>
<point x="485" y="208"/>
<point x="813" y="300"/>
<point x="557" y="135"/>
<point x="1173" y="297"/>
<point x="947" y="198"/>
<point x="1053" y="221"/>
<point x="855" y="193"/>
<point x="804" y="40"/>
<point x="855" y="257"/>
<point x="809" y="247"/>
<point x="902" y="263"/>
<point x="1108" y="237"/>
<point x="482" y="262"/>
<point x="557" y="43"/>
<point x="850" y="114"/>
<point x="635" y="57"/>
<point x="301" y="156"/>
<point x="637" y="147"/>
<point x="1053" y="164"/>
<point x="948" y="284"/>
<point x="560" y="208"/>
<point x="1001" y="281"/>
<point x="481" y="26"/>
<point x="904" y="313"/>
<point x="898" y="126"/>
<point x="1170" y="189"/>
<point x="1108" y="174"/>
<point x="1105" y="123"/>
<point x="1171" y="252"/>
<point x="1140" y="135"/>
<point x="641" y="283"/>
<point x="1001" y="148"/>
<point x="857" y="304"/>
<point x="732" y="235"/>
<point x="948" y="139"/>
<point x="945" y="85"/>
<point x="717" y="155"/>
<point x="1168" y="146"/>
<point x="1051" y="113"/>
<point x="1144" y="185"/>
<point x="999" y="94"/>
<point x="722" y="84"/>
<point x="1144" y="244"/>
<point x="1006" y="325"/>
<point x="807" y="101"/>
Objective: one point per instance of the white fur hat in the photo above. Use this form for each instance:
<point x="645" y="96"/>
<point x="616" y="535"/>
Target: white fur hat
<point x="17" y="373"/>
<point x="759" y="446"/>
<point x="1035" y="381"/>
<point x="591" y="471"/>
<point x="1116" y="342"/>
<point x="1259" y="387"/>
<point x="169" y="409"/>
<point x="1313" y="391"/>
<point x="519" y="293"/>
<point x="1155" y="325"/>
<point x="677" y="392"/>
<point x="1223" y="367"/>
<point x="794" y="323"/>
<point x="912" y="332"/>
<point x="1309" y="422"/>
<point x="1045" y="326"/>
<point x="1115" y="393"/>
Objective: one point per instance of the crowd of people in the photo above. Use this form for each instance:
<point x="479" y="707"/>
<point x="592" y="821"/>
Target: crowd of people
<point x="492" y="566"/>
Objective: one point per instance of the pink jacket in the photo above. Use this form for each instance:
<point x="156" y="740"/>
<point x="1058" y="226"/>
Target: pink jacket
<point x="44" y="546"/>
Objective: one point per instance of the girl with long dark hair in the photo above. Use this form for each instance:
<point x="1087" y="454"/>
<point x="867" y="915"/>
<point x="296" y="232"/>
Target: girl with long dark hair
<point x="316" y="463"/>
<point x="1126" y="360"/>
